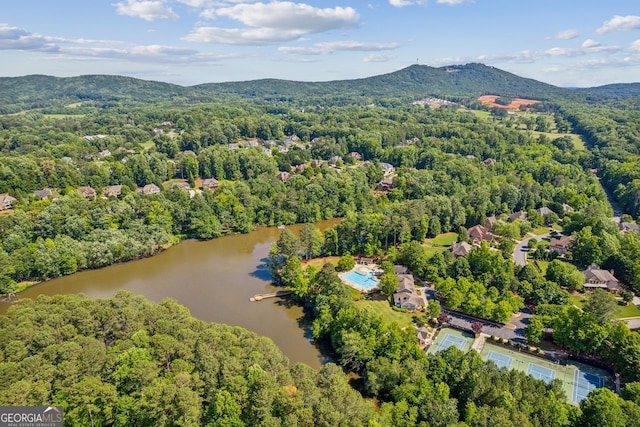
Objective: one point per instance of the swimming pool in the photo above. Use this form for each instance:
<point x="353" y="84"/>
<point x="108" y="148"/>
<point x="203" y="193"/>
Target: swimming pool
<point x="361" y="279"/>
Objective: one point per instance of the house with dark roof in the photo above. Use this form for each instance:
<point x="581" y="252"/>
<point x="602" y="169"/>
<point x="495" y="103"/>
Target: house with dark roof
<point x="43" y="194"/>
<point x="385" y="185"/>
<point x="478" y="233"/>
<point x="596" y="278"/>
<point x="522" y="215"/>
<point x="210" y="184"/>
<point x="6" y="201"/>
<point x="561" y="245"/>
<point x="387" y="168"/>
<point x="489" y="221"/>
<point x="87" y="192"/>
<point x="459" y="249"/>
<point x="406" y="296"/>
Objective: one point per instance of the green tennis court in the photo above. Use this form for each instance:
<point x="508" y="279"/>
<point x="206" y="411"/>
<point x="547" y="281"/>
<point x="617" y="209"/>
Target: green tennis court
<point x="577" y="379"/>
<point x="450" y="338"/>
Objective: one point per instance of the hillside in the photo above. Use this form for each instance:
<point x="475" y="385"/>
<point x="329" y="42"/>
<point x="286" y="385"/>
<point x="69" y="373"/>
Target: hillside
<point x="471" y="80"/>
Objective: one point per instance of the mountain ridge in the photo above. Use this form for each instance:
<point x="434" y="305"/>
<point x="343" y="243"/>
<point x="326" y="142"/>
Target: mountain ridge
<point x="452" y="81"/>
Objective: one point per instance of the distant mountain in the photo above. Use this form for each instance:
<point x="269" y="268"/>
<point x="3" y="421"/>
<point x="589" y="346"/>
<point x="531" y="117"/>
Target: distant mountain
<point x="470" y="80"/>
<point x="616" y="89"/>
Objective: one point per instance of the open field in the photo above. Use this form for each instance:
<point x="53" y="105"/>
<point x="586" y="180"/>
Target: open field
<point x="630" y="310"/>
<point x="382" y="307"/>
<point x="515" y="102"/>
<point x="440" y="243"/>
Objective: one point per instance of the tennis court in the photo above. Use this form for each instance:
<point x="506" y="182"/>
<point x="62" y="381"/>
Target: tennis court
<point x="584" y="382"/>
<point x="577" y="379"/>
<point x="450" y="338"/>
<point x="501" y="360"/>
<point x="541" y="373"/>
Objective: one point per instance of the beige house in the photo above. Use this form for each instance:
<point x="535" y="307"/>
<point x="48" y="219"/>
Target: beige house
<point x="210" y="184"/>
<point x="478" y="233"/>
<point x="406" y="296"/>
<point x="562" y="245"/>
<point x="6" y="201"/>
<point x="87" y="192"/>
<point x="149" y="189"/>
<point x="597" y="278"/>
<point x="459" y="249"/>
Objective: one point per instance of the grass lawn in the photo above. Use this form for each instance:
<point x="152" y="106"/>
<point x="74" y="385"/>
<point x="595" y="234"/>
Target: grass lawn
<point x="542" y="265"/>
<point x="577" y="300"/>
<point x="319" y="262"/>
<point x="481" y="114"/>
<point x="382" y="307"/>
<point x="541" y="230"/>
<point x="628" y="311"/>
<point x="444" y="240"/>
<point x="146" y="146"/>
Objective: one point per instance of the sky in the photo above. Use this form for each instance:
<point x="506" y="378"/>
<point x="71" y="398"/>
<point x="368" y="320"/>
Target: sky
<point x="568" y="43"/>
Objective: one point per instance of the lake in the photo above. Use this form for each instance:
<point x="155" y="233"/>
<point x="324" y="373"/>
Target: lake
<point x="214" y="279"/>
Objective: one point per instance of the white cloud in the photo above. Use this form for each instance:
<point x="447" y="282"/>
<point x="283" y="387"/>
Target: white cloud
<point x="147" y="10"/>
<point x="635" y="46"/>
<point x="241" y="36"/>
<point x="588" y="43"/>
<point x="403" y="3"/>
<point x="562" y="51"/>
<point x="327" y="48"/>
<point x="451" y="2"/>
<point x="274" y="22"/>
<point x="620" y="23"/>
<point x="195" y="3"/>
<point x="291" y="16"/>
<point x="376" y="57"/>
<point x="14" y="38"/>
<point x="565" y="35"/>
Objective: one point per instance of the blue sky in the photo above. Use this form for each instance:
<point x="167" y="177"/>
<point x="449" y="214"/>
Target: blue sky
<point x="562" y="42"/>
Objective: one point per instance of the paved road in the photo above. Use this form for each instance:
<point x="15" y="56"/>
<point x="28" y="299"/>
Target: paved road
<point x="513" y="332"/>
<point x="521" y="249"/>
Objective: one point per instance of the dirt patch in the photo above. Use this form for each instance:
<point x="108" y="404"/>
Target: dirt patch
<point x="490" y="100"/>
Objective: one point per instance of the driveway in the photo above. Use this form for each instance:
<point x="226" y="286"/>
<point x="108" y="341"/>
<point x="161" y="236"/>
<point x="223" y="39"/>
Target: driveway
<point x="521" y="249"/>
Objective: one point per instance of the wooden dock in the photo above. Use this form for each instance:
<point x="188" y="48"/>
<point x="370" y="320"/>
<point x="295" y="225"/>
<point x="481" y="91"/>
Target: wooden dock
<point x="260" y="297"/>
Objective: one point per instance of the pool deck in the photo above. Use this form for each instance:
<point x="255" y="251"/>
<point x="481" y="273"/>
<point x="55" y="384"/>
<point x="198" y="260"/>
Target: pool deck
<point x="359" y="268"/>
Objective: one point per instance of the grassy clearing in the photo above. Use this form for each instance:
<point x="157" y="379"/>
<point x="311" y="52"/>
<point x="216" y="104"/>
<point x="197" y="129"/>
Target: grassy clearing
<point x="577" y="300"/>
<point x="542" y="265"/>
<point x="486" y="115"/>
<point x="146" y="146"/>
<point x="628" y="311"/>
<point x="64" y="116"/>
<point x="319" y="262"/>
<point x="383" y="308"/>
<point x="541" y="230"/>
<point x="443" y="240"/>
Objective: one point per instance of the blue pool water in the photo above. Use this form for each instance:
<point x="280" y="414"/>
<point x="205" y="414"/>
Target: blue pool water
<point x="365" y="281"/>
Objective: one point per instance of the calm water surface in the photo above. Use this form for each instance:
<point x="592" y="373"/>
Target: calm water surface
<point x="214" y="279"/>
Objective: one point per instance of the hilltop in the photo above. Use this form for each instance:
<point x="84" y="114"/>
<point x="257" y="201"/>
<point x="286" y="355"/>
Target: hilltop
<point x="454" y="81"/>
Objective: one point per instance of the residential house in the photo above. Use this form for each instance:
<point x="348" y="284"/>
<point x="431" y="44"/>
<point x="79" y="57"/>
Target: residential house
<point x="43" y="194"/>
<point x="334" y="160"/>
<point x="301" y="167"/>
<point x="180" y="185"/>
<point x="625" y="227"/>
<point x="544" y="211"/>
<point x="489" y="161"/>
<point x="385" y="185"/>
<point x="113" y="191"/>
<point x="566" y="208"/>
<point x="233" y="146"/>
<point x="521" y="215"/>
<point x="252" y="144"/>
<point x="562" y="245"/>
<point x="459" y="249"/>
<point x="103" y="154"/>
<point x="316" y="163"/>
<point x="478" y="233"/>
<point x="400" y="269"/>
<point x="355" y="156"/>
<point x="210" y="184"/>
<point x="489" y="221"/>
<point x="387" y="168"/>
<point x="406" y="296"/>
<point x="6" y="201"/>
<point x="595" y="278"/>
<point x="150" y="189"/>
<point x="87" y="192"/>
<point x="284" y="176"/>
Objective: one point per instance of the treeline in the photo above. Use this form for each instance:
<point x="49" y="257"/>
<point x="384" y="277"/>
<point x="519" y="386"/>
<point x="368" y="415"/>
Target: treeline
<point x="126" y="361"/>
<point x="449" y="388"/>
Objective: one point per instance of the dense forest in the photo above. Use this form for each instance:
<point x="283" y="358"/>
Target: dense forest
<point x="97" y="170"/>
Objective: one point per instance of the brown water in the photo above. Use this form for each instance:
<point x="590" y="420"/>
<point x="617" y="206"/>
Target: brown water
<point x="214" y="279"/>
